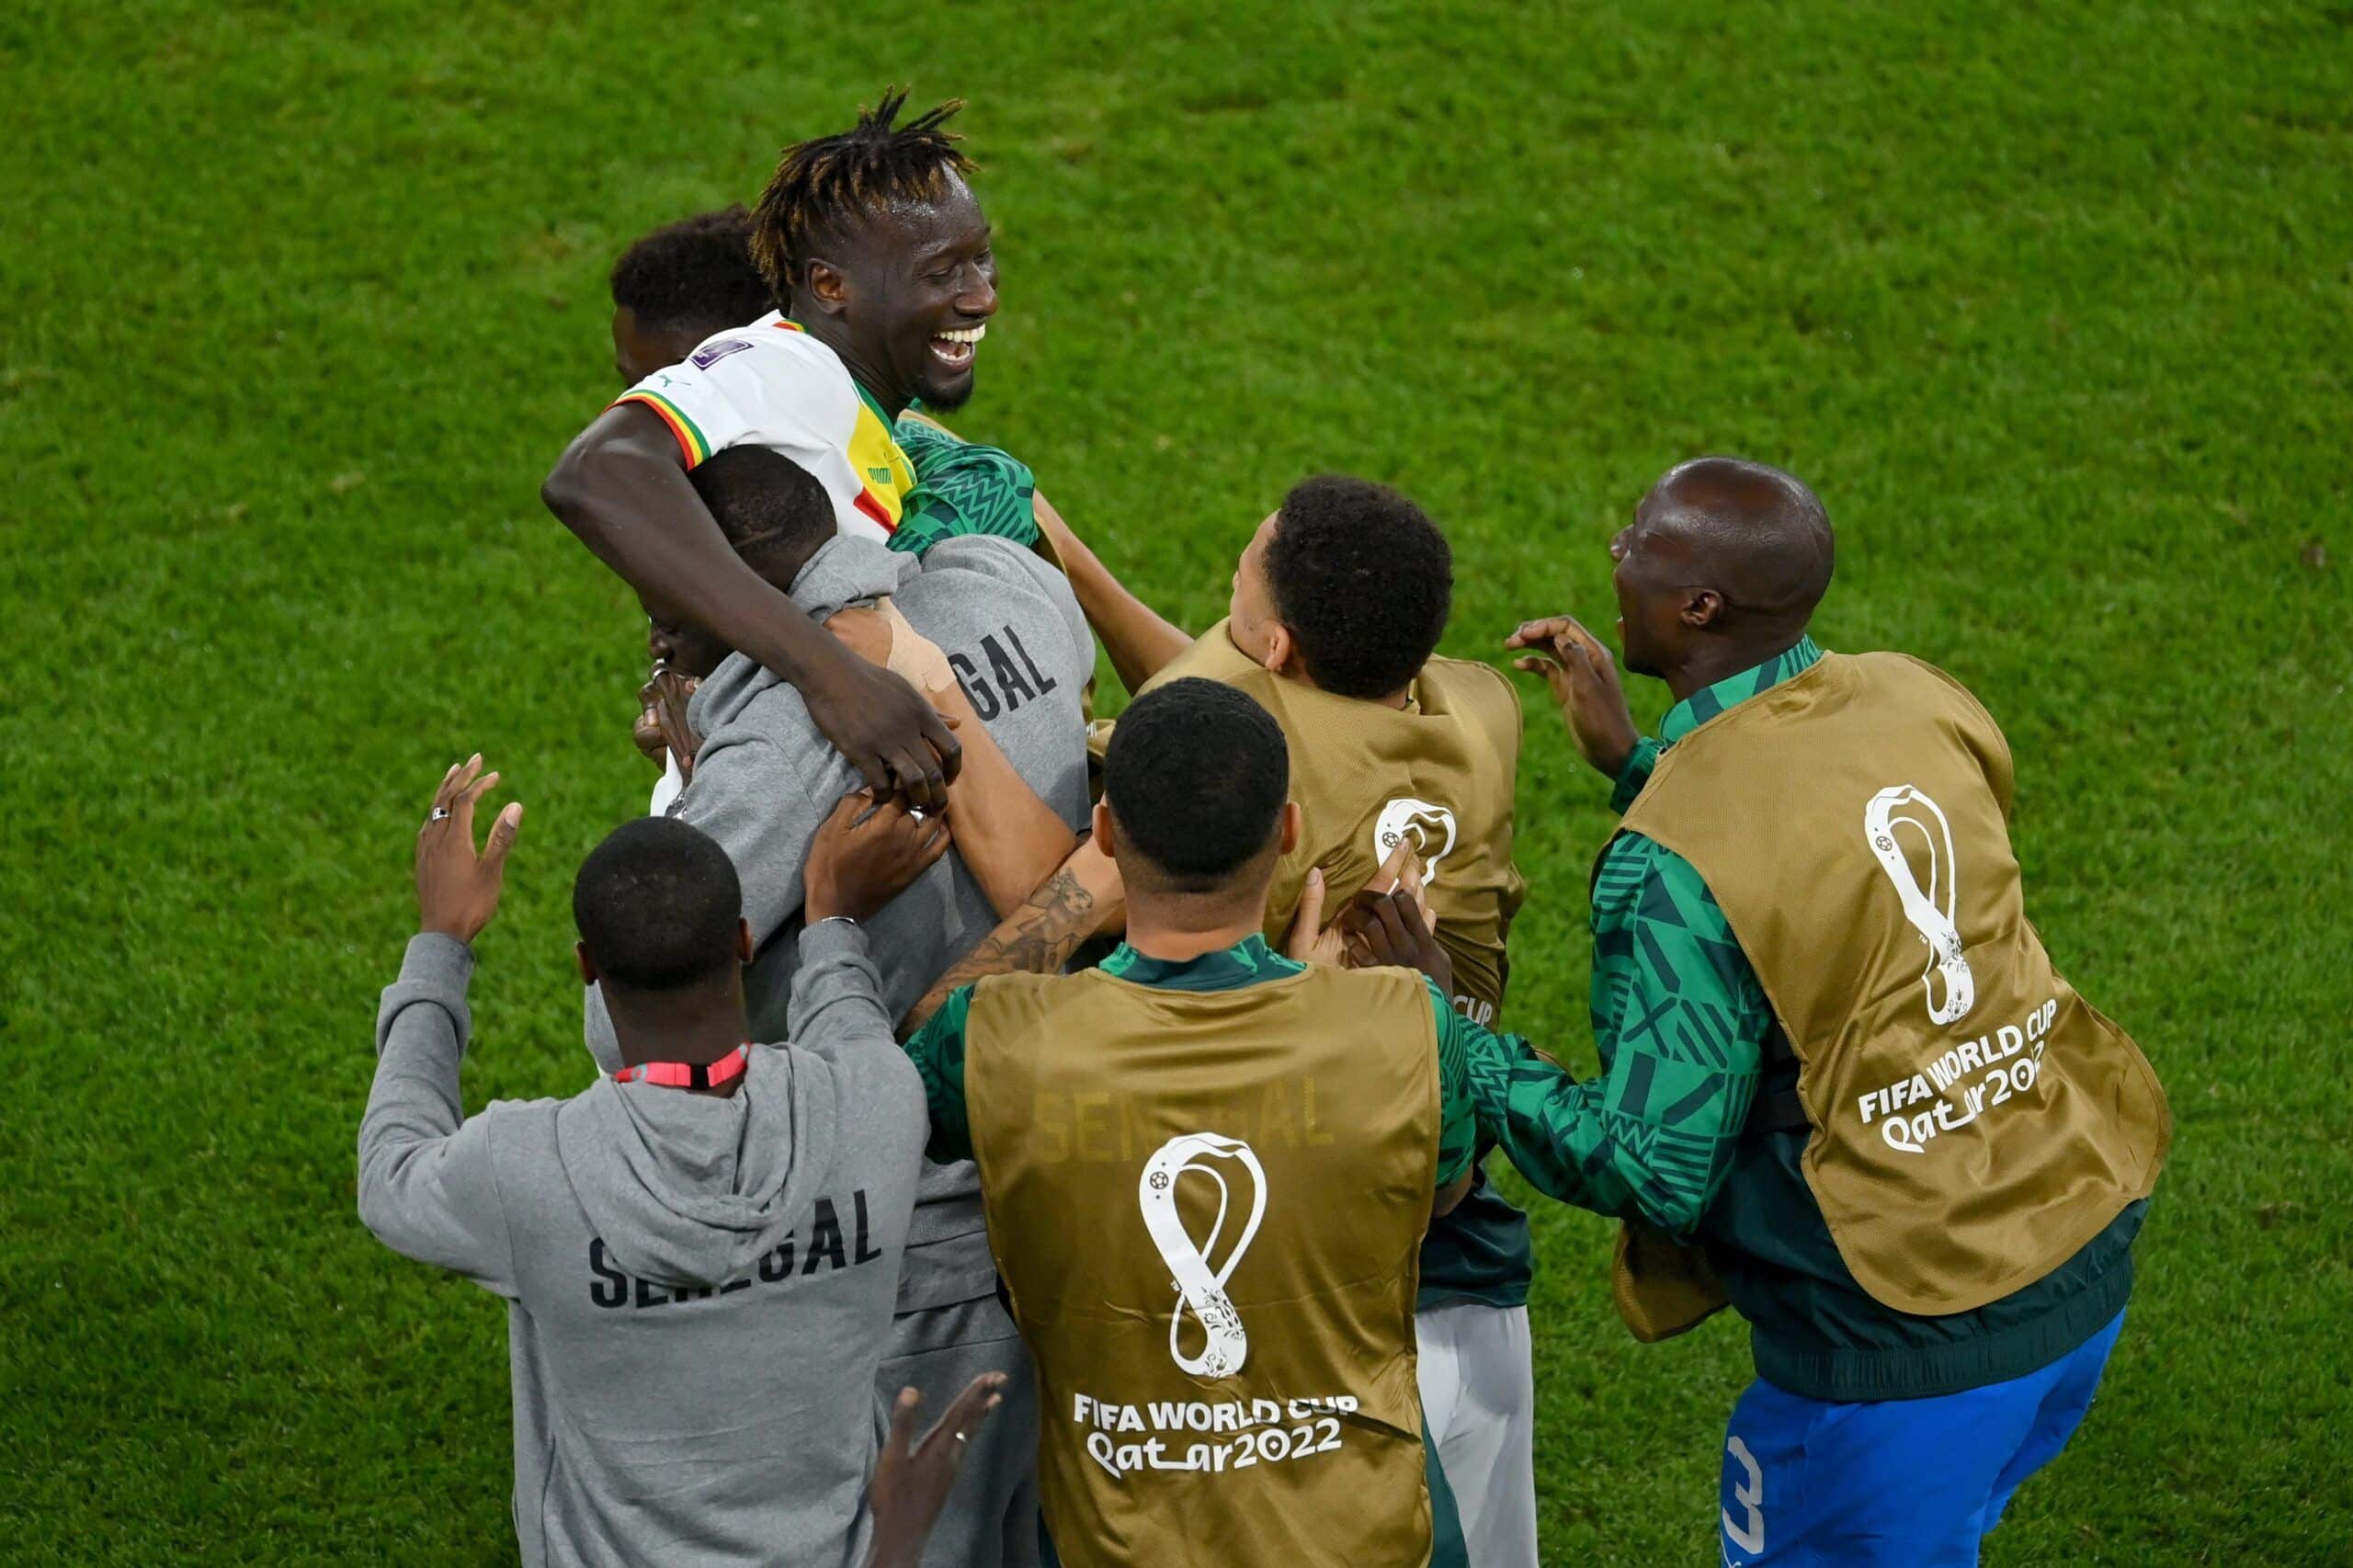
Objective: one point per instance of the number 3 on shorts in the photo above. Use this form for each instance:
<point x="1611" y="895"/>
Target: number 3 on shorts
<point x="1748" y="1531"/>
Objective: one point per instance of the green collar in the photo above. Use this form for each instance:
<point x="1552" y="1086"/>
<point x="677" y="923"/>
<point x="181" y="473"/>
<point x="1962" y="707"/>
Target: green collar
<point x="1708" y="702"/>
<point x="868" y="398"/>
<point x="1247" y="962"/>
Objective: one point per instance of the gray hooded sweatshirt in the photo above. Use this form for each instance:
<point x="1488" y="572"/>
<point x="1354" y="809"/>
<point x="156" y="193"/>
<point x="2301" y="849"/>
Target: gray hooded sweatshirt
<point x="765" y="776"/>
<point x="700" y="1286"/>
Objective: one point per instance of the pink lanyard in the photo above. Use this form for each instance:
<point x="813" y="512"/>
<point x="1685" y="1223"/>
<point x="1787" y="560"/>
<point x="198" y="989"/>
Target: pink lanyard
<point x="689" y="1074"/>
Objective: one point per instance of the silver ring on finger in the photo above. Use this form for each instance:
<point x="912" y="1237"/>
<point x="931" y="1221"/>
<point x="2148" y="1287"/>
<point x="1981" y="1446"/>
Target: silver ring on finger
<point x="437" y="813"/>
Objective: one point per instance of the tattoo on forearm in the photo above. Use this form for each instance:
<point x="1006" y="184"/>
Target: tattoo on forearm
<point x="1039" y="937"/>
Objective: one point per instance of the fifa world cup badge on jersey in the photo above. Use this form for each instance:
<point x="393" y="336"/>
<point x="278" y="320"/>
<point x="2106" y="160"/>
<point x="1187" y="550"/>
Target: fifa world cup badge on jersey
<point x="1200" y="1291"/>
<point x="711" y="353"/>
<point x="1429" y="828"/>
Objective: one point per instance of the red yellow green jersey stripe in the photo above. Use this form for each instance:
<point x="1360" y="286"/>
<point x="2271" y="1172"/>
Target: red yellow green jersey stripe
<point x="691" y="441"/>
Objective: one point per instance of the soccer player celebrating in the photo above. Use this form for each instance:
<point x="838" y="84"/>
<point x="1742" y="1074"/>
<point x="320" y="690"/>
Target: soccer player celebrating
<point x="1338" y="604"/>
<point x="875" y="243"/>
<point x="695" y="280"/>
<point x="1918" y="1181"/>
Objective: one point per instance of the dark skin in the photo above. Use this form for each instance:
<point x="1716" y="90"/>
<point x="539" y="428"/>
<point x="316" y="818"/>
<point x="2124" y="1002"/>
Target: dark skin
<point x="1718" y="572"/>
<point x="639" y="348"/>
<point x="880" y="296"/>
<point x="912" y="1479"/>
<point x="681" y="654"/>
<point x="620" y="487"/>
<point x="702" y="1023"/>
<point x="695" y="1022"/>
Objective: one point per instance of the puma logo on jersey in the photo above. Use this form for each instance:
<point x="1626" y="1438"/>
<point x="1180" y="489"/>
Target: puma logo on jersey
<point x="1429" y="828"/>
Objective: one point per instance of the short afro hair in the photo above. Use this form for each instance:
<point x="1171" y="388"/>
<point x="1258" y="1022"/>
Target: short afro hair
<point x="768" y="506"/>
<point x="657" y="904"/>
<point x="1196" y="777"/>
<point x="696" y="275"/>
<point x="828" y="182"/>
<point x="1363" y="579"/>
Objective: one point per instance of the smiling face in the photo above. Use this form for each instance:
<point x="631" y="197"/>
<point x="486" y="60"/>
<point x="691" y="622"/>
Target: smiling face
<point x="914" y="287"/>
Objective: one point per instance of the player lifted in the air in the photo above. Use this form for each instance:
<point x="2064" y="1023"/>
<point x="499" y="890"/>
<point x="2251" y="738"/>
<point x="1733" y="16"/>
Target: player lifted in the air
<point x="882" y="255"/>
<point x="876" y="246"/>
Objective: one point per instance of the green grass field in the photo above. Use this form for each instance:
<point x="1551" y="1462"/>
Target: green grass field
<point x="2052" y="304"/>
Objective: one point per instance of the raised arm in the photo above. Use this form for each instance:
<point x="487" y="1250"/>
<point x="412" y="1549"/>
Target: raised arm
<point x="425" y="1185"/>
<point x="1077" y="901"/>
<point x="621" y="489"/>
<point x="1139" y="641"/>
<point x="1008" y="837"/>
<point x="1652" y="1137"/>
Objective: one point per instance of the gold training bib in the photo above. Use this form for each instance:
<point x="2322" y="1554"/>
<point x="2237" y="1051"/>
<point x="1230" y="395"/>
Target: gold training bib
<point x="1208" y="1207"/>
<point x="1438" y="773"/>
<point x="1974" y="1121"/>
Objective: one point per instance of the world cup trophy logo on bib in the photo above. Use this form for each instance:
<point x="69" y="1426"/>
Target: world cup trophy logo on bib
<point x="1428" y="828"/>
<point x="1900" y="821"/>
<point x="1201" y="1289"/>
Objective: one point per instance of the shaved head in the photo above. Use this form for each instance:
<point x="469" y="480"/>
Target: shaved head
<point x="1759" y="535"/>
<point x="1724" y="561"/>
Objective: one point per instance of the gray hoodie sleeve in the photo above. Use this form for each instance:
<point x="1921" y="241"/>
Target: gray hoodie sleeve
<point x="754" y="797"/>
<point x="427" y="1189"/>
<point x="837" y="993"/>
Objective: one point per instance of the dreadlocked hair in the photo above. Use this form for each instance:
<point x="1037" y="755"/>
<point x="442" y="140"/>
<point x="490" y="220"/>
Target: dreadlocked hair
<point x="826" y="180"/>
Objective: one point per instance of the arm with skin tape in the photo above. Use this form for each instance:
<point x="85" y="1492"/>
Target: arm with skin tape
<point x="1008" y="837"/>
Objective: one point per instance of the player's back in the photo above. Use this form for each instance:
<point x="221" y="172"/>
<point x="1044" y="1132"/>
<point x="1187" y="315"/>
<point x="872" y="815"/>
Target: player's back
<point x="1439" y="773"/>
<point x="1264" y="1135"/>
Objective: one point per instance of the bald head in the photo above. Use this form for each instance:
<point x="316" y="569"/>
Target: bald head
<point x="1725" y="559"/>
<point x="1758" y="535"/>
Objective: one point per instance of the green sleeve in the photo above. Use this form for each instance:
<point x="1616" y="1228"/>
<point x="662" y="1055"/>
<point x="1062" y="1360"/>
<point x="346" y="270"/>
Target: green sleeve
<point x="1457" y="1131"/>
<point x="1680" y="1021"/>
<point x="961" y="487"/>
<point x="1635" y="775"/>
<point x="938" y="1051"/>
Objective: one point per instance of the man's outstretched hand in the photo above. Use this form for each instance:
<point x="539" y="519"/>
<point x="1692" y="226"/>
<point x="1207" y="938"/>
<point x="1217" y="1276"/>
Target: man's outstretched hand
<point x="864" y="855"/>
<point x="912" y="1479"/>
<point x="1584" y="678"/>
<point x="456" y="890"/>
<point x="883" y="726"/>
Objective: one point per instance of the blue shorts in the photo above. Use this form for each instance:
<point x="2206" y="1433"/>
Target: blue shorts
<point x="1910" y="1482"/>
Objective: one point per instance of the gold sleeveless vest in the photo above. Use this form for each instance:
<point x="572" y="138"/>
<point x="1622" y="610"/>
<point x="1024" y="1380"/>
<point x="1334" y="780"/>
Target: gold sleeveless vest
<point x="1974" y="1121"/>
<point x="1206" y="1207"/>
<point x="1440" y="772"/>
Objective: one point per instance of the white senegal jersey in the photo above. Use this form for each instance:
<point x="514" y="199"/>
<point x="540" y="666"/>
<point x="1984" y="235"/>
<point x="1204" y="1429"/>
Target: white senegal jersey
<point x="771" y="384"/>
